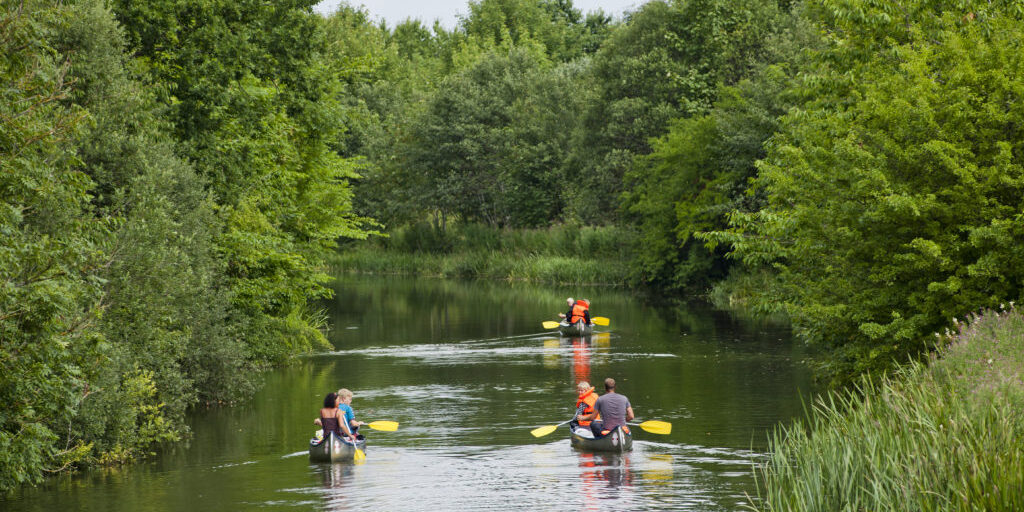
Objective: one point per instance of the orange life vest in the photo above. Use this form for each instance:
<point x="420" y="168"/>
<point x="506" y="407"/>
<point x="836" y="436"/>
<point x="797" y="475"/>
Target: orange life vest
<point x="587" y="397"/>
<point x="578" y="308"/>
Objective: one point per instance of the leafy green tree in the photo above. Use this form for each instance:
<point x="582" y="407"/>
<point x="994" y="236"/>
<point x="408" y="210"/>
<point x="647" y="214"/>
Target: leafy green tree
<point x="894" y="200"/>
<point x="164" y="297"/>
<point x="486" y="148"/>
<point x="666" y="62"/>
<point x="556" y="24"/>
<point x="251" y="105"/>
<point x="700" y="170"/>
<point x="49" y="247"/>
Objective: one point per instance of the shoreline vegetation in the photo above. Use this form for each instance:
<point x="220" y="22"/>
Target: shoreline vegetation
<point x="939" y="436"/>
<point x="546" y="255"/>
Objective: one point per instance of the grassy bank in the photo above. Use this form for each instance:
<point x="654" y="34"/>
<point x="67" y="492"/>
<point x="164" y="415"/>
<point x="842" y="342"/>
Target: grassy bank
<point x="944" y="436"/>
<point x="560" y="254"/>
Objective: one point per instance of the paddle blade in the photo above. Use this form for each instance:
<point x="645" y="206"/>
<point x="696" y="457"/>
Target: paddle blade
<point x="359" y="456"/>
<point x="600" y="320"/>
<point x="387" y="426"/>
<point x="543" y="431"/>
<point x="550" y="325"/>
<point x="657" y="427"/>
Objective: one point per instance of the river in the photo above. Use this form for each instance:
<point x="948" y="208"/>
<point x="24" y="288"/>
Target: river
<point x="468" y="371"/>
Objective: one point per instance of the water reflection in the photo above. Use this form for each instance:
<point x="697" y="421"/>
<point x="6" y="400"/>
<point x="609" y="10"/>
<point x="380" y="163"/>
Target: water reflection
<point x="468" y="371"/>
<point x="337" y="475"/>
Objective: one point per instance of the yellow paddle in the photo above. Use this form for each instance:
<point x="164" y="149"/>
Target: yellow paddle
<point x="597" y="320"/>
<point x="387" y="426"/>
<point x="547" y="429"/>
<point x="654" y="426"/>
<point x="359" y="456"/>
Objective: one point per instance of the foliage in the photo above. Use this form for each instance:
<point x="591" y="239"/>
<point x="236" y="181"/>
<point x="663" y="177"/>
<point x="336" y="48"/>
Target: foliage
<point x="894" y="201"/>
<point x="665" y="63"/>
<point x="137" y="283"/>
<point x="48" y="294"/>
<point x="938" y="437"/>
<point x="700" y="170"/>
<point x="485" y="148"/>
<point x="559" y="27"/>
<point x="252" y="107"/>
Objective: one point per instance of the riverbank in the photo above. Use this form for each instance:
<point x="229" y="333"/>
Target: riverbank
<point x="942" y="436"/>
<point x="559" y="254"/>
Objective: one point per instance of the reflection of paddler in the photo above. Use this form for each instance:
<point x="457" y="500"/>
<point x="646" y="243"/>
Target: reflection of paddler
<point x="580" y="360"/>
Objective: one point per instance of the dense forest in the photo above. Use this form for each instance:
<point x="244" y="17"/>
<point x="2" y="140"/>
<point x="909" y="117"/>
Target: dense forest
<point x="176" y="174"/>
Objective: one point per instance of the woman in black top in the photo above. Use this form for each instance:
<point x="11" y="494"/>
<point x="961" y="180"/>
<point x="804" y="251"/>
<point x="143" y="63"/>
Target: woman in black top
<point x="329" y="418"/>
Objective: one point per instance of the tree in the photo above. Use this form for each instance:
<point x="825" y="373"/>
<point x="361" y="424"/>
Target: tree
<point x="486" y="148"/>
<point x="666" y="62"/>
<point x="49" y="247"/>
<point x="251" y="105"/>
<point x="894" y="200"/>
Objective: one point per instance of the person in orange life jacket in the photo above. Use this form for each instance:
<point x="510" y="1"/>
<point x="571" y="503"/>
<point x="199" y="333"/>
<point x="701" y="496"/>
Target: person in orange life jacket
<point x="578" y="310"/>
<point x="584" y="404"/>
<point x="614" y="410"/>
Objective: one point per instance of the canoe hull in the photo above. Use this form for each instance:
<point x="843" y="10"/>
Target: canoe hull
<point x="333" y="449"/>
<point x="576" y="329"/>
<point x="617" y="441"/>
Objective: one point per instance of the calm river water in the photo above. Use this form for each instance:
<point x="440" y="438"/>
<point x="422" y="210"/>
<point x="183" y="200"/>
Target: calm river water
<point x="468" y="371"/>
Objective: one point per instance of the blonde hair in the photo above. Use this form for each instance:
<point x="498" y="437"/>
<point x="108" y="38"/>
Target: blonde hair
<point x="583" y="385"/>
<point x="344" y="393"/>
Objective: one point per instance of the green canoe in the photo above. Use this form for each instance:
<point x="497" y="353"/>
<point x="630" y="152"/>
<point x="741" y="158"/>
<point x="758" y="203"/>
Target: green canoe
<point x="332" y="448"/>
<point x="576" y="329"/>
<point x="616" y="441"/>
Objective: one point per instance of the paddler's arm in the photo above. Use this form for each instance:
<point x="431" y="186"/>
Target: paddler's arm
<point x="629" y="413"/>
<point x="589" y="416"/>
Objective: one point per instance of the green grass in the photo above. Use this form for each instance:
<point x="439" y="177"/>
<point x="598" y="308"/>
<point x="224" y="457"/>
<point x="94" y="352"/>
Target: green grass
<point x="560" y="254"/>
<point x="943" y="436"/>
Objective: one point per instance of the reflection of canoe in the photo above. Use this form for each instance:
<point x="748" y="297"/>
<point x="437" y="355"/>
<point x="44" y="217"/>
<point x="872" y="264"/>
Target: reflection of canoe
<point x="332" y="448"/>
<point x="576" y="329"/>
<point x="616" y="441"/>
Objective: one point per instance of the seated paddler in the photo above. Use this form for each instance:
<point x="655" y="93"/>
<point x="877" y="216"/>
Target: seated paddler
<point x="579" y="310"/>
<point x="333" y="420"/>
<point x="584" y="406"/>
<point x="613" y="408"/>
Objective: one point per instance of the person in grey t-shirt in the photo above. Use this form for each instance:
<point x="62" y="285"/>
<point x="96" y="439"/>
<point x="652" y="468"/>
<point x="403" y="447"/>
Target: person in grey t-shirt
<point x="614" y="409"/>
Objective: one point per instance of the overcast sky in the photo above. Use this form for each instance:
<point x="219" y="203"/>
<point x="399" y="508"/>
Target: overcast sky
<point x="395" y="11"/>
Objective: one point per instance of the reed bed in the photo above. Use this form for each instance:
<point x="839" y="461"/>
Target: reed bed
<point x="560" y="254"/>
<point x="948" y="435"/>
<point x="535" y="268"/>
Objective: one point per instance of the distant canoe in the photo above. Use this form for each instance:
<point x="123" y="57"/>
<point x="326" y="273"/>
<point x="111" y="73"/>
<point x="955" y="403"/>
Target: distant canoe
<point x="576" y="329"/>
<point x="332" y="448"/>
<point x="616" y="441"/>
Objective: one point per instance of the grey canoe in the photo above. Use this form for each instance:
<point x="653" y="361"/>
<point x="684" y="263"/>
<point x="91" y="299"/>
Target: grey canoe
<point x="332" y="448"/>
<point x="576" y="329"/>
<point x="616" y="441"/>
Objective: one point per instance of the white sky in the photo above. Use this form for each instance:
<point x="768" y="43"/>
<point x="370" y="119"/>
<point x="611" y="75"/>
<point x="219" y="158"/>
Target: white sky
<point x="396" y="11"/>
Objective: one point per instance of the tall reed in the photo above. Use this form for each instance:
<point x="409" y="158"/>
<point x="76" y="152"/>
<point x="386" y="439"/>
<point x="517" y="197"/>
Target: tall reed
<point x="559" y="254"/>
<point x="943" y="436"/>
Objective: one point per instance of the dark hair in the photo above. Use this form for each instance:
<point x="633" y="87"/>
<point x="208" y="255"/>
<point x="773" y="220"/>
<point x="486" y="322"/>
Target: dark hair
<point x="609" y="384"/>
<point x="331" y="401"/>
